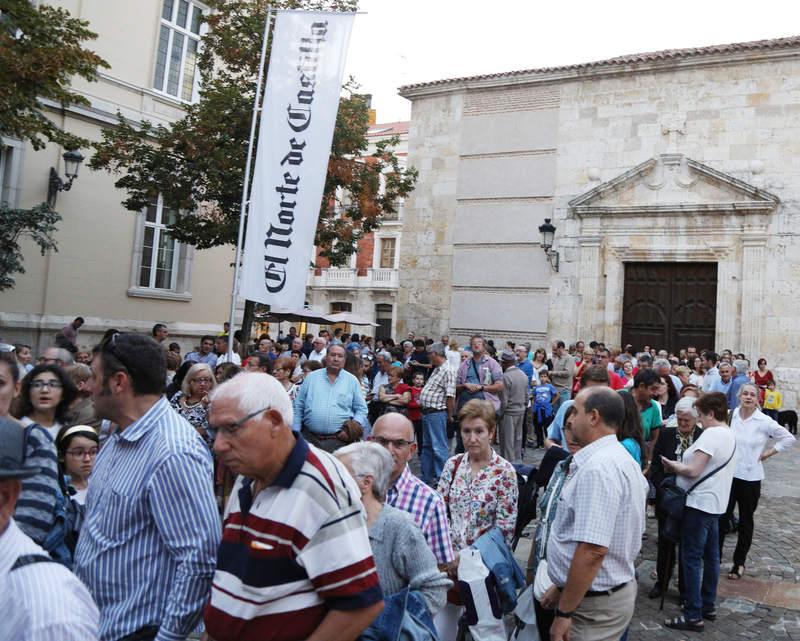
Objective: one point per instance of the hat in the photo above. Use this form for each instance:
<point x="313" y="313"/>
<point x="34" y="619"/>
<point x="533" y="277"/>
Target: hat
<point x="12" y="451"/>
<point x="507" y="356"/>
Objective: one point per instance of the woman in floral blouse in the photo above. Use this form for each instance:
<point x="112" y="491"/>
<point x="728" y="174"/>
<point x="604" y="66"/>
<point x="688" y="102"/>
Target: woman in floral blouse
<point x="192" y="401"/>
<point x="479" y="487"/>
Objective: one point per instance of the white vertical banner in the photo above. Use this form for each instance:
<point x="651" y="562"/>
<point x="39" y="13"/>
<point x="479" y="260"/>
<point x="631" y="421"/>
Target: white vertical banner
<point x="297" y="120"/>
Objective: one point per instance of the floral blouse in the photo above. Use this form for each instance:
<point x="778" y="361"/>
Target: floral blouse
<point x="476" y="505"/>
<point x="196" y="415"/>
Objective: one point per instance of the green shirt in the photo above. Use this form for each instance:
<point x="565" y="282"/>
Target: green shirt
<point x="651" y="419"/>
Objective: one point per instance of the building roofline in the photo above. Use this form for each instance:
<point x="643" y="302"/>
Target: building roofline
<point x="665" y="60"/>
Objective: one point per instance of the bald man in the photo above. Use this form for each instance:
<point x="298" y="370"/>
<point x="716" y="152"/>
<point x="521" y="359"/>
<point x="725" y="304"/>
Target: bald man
<point x="407" y="492"/>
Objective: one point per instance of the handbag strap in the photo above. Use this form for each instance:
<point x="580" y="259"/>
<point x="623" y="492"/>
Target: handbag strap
<point x="713" y="472"/>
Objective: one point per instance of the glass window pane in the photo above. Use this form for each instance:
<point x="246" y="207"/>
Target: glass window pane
<point x="161" y="58"/>
<point x="166" y="9"/>
<point x="189" y="68"/>
<point x="147" y="257"/>
<point x="387" y="252"/>
<point x="197" y="13"/>
<point x="151" y="214"/>
<point x="166" y="249"/>
<point x="175" y="63"/>
<point x="183" y="12"/>
<point x="168" y="216"/>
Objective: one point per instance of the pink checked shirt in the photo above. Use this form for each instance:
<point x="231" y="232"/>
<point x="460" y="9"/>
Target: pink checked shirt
<point x="427" y="509"/>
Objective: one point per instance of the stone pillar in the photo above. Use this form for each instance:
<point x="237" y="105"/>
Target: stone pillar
<point x="728" y="299"/>
<point x="753" y="246"/>
<point x="590" y="272"/>
<point x="615" y="290"/>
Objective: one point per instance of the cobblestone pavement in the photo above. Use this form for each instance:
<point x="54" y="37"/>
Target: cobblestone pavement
<point x="765" y="603"/>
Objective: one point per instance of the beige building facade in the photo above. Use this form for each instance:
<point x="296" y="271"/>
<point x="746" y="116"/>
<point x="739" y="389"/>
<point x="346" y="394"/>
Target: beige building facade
<point x="671" y="179"/>
<point x="114" y="267"/>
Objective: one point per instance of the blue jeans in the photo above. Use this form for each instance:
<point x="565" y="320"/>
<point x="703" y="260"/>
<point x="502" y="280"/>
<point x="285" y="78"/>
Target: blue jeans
<point x="434" y="446"/>
<point x="699" y="556"/>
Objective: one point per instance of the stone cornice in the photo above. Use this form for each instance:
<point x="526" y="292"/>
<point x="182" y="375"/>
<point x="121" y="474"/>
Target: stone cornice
<point x="537" y="77"/>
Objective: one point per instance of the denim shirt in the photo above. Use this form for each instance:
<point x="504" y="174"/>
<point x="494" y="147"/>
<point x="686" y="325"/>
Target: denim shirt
<point x="405" y="616"/>
<point x="497" y="556"/>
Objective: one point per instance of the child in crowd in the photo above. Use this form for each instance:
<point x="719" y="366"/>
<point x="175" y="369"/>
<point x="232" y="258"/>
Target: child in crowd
<point x="414" y="408"/>
<point x="545" y="396"/>
<point x="773" y="401"/>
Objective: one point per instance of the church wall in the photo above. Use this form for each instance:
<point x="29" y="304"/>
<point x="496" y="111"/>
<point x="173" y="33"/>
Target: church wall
<point x="742" y="120"/>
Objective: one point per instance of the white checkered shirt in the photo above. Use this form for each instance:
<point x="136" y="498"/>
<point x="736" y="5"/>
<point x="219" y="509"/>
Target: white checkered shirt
<point x="441" y="384"/>
<point x="602" y="504"/>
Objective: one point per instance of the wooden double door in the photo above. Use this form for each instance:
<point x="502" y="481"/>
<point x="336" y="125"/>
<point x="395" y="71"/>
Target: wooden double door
<point x="670" y="305"/>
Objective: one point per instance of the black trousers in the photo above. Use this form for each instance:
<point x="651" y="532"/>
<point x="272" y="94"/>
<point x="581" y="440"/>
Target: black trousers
<point x="544" y="619"/>
<point x="541" y="428"/>
<point x="745" y="495"/>
<point x="418" y="434"/>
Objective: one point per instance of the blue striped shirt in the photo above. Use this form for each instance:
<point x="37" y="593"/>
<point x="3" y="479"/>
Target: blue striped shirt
<point x="147" y="550"/>
<point x="41" y="601"/>
<point x="324" y="407"/>
<point x="34" y="513"/>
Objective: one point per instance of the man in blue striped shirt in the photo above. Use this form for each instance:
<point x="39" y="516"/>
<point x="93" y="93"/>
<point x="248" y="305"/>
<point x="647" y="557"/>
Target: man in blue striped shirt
<point x="147" y="549"/>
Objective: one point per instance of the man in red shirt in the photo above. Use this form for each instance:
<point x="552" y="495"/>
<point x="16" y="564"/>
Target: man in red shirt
<point x="604" y="359"/>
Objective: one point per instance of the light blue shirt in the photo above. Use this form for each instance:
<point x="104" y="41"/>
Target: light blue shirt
<point x="719" y="386"/>
<point x="209" y="359"/>
<point x="554" y="432"/>
<point x="148" y="547"/>
<point x="323" y="407"/>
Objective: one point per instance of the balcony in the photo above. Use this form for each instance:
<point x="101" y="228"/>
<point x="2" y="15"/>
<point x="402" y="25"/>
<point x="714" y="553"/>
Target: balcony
<point x="383" y="278"/>
<point x="347" y="278"/>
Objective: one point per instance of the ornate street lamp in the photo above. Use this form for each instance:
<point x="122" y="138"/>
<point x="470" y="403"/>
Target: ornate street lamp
<point x="548" y="231"/>
<point x="72" y="162"/>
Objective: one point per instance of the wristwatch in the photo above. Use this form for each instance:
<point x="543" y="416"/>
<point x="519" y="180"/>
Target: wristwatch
<point x="481" y="388"/>
<point x="564" y="615"/>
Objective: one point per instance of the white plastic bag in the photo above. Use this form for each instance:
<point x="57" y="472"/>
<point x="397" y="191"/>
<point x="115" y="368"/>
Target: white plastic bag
<point x="525" y="612"/>
<point x="479" y="594"/>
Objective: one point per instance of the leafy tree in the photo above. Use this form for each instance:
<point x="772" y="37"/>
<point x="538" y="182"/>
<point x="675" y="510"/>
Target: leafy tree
<point x="197" y="163"/>
<point x="41" y="49"/>
<point x="39" y="224"/>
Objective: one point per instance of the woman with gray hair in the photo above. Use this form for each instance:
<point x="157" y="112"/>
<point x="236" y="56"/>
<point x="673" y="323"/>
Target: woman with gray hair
<point x="752" y="429"/>
<point x="191" y="401"/>
<point x="402" y="556"/>
<point x="671" y="444"/>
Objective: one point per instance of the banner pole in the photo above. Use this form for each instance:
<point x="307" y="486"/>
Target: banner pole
<point x="245" y="190"/>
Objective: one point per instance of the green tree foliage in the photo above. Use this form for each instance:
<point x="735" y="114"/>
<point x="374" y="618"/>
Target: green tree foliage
<point x="197" y="163"/>
<point x="38" y="224"/>
<point x="41" y="49"/>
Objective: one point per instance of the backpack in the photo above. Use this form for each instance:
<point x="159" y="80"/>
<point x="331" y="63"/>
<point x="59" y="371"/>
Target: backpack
<point x="56" y="541"/>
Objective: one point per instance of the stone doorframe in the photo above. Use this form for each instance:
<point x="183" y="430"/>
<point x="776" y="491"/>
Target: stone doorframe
<point x="728" y="226"/>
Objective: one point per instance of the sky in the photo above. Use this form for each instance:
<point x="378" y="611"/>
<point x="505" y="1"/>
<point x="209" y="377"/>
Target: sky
<point x="399" y="42"/>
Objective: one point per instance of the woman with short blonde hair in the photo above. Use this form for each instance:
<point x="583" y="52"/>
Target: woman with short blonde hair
<point x="191" y="401"/>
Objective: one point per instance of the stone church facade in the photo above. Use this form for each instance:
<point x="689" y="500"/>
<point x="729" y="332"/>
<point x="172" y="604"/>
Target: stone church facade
<point x="672" y="179"/>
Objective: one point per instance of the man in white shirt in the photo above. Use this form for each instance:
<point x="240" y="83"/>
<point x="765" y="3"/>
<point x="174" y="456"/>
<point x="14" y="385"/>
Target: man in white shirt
<point x="40" y="599"/>
<point x="710" y="360"/>
<point x="319" y="351"/>
<point x="221" y="347"/>
<point x="597" y="532"/>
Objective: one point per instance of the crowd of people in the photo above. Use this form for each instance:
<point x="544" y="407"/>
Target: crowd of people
<point x="269" y="494"/>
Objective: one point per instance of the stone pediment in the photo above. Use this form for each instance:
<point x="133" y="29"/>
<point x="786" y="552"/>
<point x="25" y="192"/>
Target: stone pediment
<point x="673" y="184"/>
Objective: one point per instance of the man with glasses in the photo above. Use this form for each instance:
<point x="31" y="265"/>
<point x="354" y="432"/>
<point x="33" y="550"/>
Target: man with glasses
<point x="407" y="492"/>
<point x="147" y="549"/>
<point x="318" y="350"/>
<point x="56" y="356"/>
<point x="295" y="560"/>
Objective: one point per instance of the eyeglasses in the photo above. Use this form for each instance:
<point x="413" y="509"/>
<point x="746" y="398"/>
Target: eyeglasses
<point x="204" y="380"/>
<point x="230" y="430"/>
<point x="37" y="385"/>
<point x="81" y="453"/>
<point x="396" y="443"/>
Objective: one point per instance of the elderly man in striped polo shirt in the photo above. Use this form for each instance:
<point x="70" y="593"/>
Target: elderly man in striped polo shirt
<point x="295" y="560"/>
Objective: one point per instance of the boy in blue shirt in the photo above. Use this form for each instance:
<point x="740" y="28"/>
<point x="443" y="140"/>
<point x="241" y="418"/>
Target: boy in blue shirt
<point x="545" y="396"/>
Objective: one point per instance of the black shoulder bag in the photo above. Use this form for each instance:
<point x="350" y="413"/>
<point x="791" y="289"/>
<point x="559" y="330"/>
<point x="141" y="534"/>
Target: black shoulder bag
<point x="673" y="498"/>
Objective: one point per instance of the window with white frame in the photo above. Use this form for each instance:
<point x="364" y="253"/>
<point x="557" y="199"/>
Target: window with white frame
<point x="10" y="167"/>
<point x="179" y="36"/>
<point x="160" y="252"/>
<point x="388" y="251"/>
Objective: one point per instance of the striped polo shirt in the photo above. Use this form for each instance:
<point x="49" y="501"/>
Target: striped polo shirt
<point x="291" y="553"/>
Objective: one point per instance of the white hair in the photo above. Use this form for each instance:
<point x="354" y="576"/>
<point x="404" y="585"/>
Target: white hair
<point x="194" y="371"/>
<point x="370" y="459"/>
<point x="253" y="391"/>
<point x="662" y="362"/>
<point x="741" y="366"/>
<point x="686" y="404"/>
